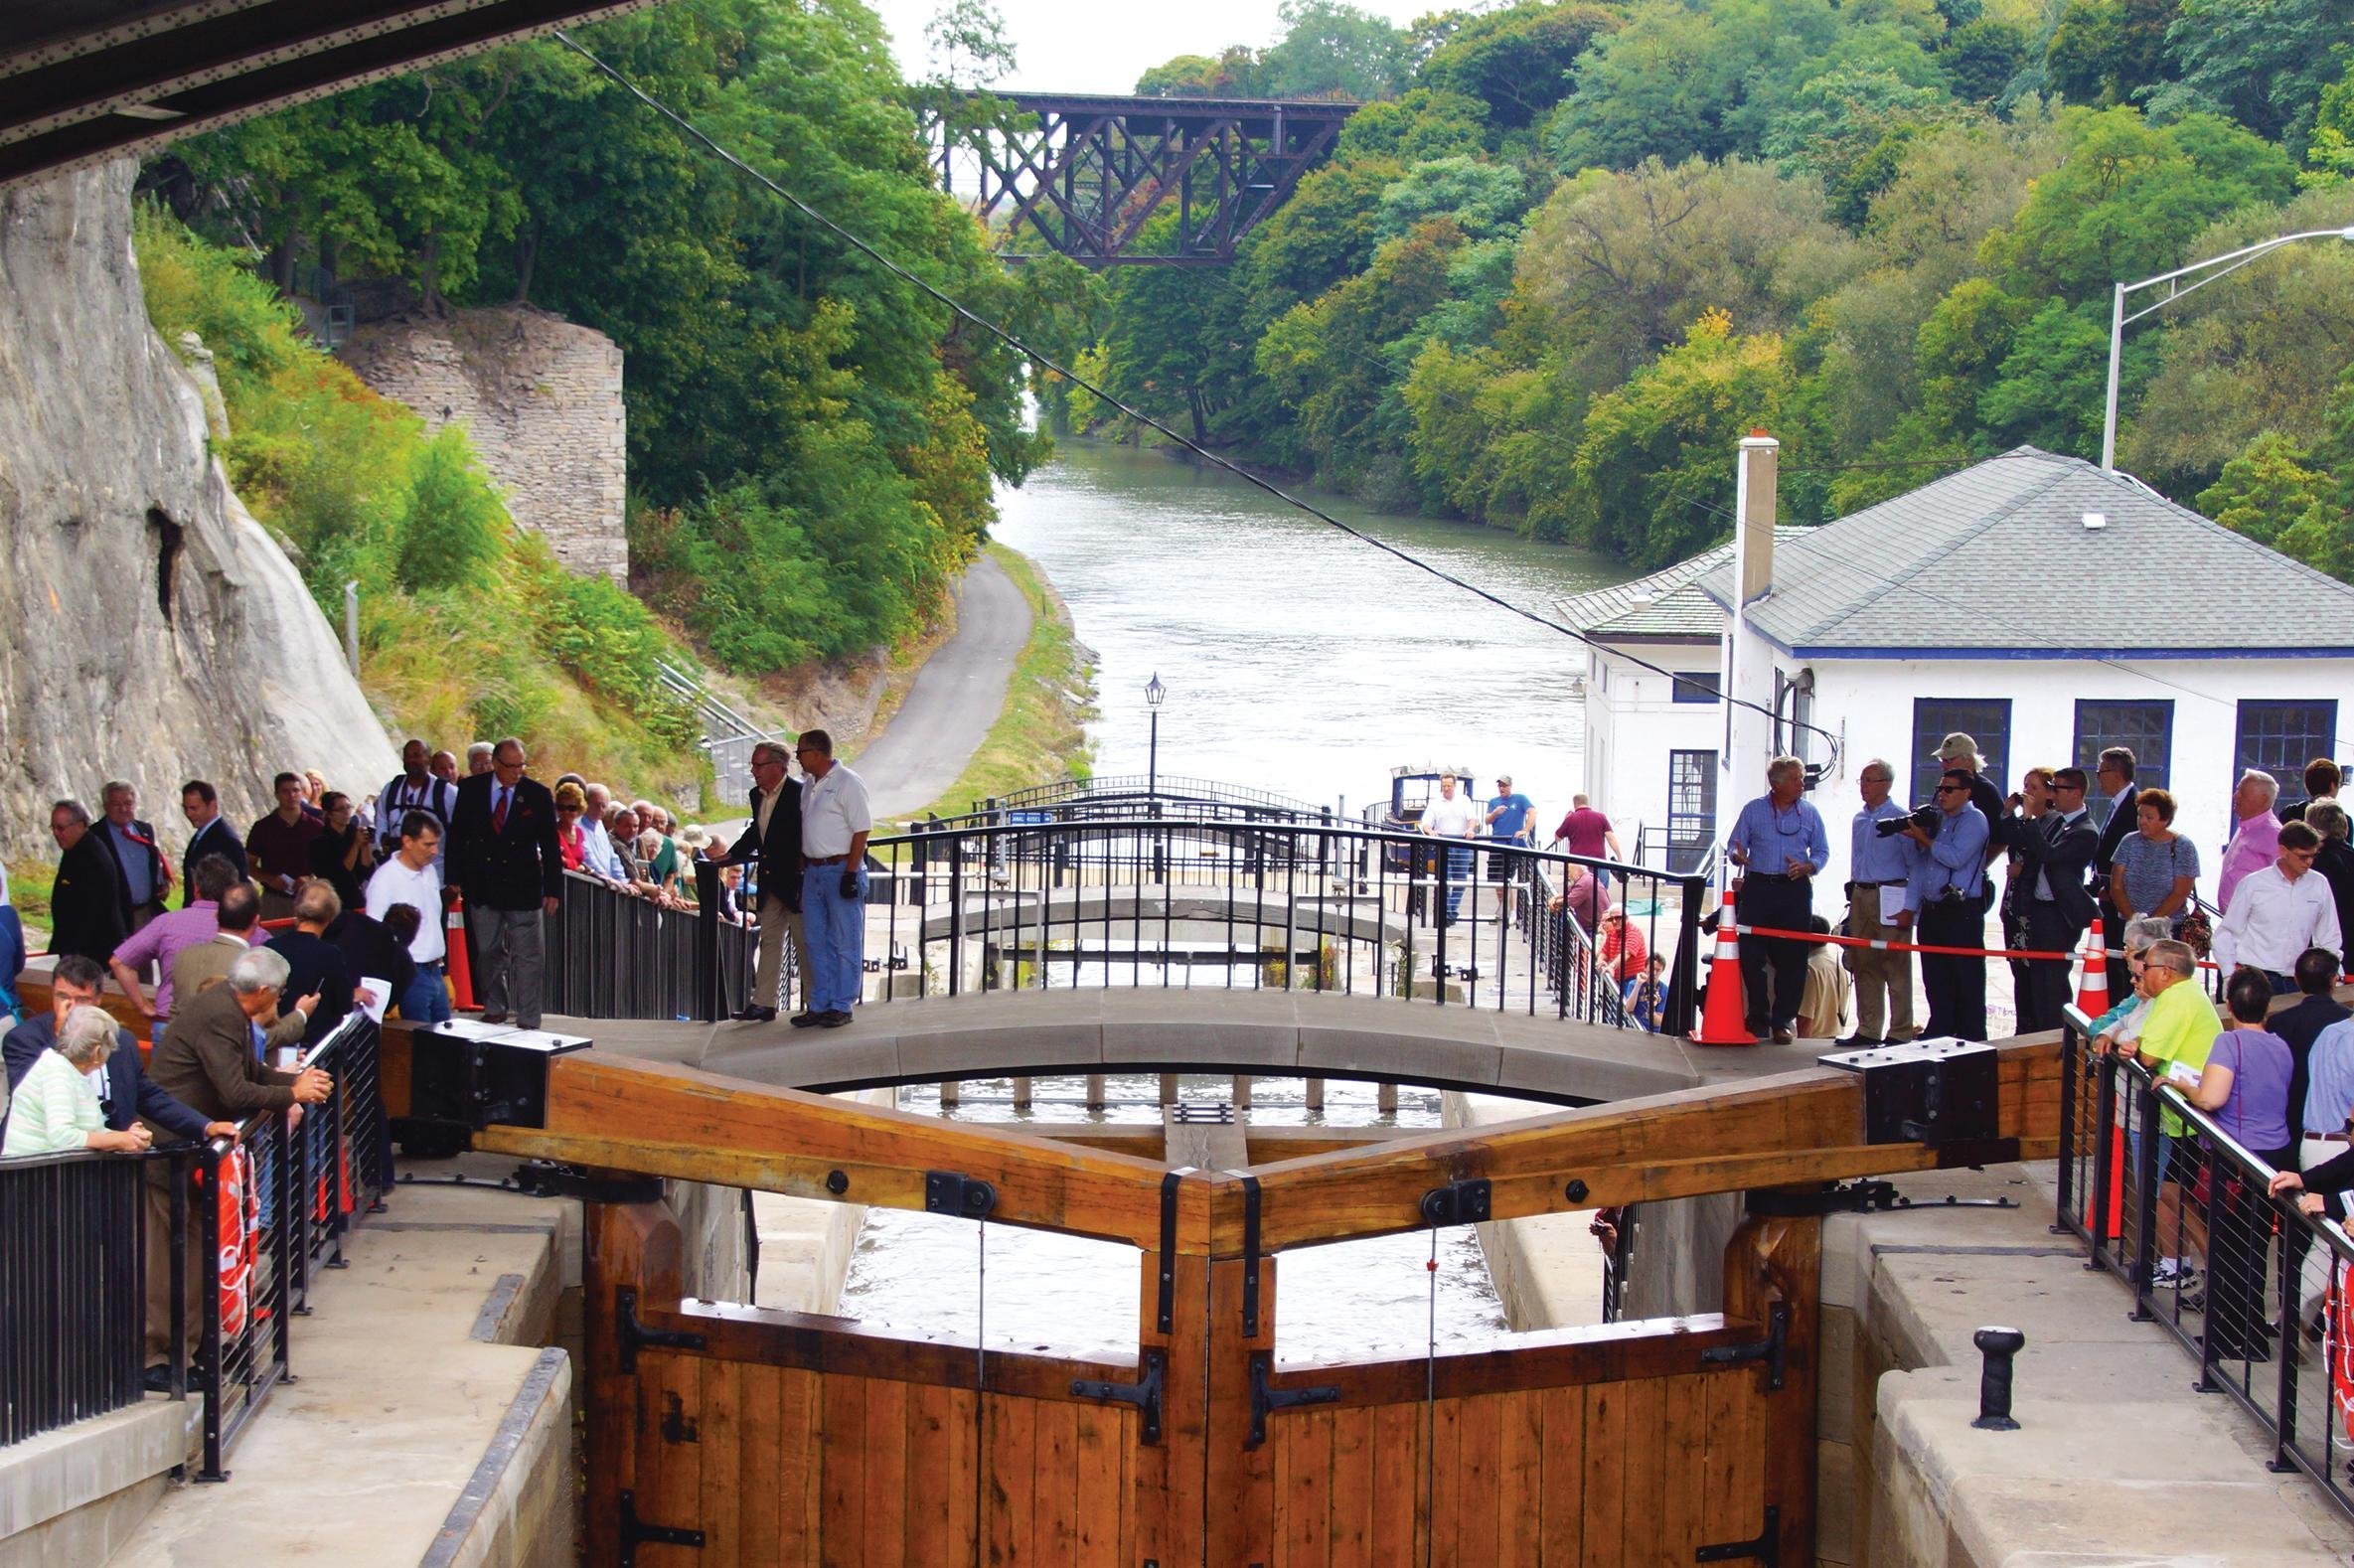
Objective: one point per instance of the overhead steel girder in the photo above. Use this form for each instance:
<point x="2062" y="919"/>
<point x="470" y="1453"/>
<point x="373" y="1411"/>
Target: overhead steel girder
<point x="85" y="81"/>
<point x="1096" y="169"/>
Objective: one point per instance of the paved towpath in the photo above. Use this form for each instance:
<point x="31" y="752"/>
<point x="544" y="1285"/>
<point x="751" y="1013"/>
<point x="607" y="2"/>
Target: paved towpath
<point x="956" y="697"/>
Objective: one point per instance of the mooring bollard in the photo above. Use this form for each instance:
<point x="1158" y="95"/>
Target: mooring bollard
<point x="1997" y="1346"/>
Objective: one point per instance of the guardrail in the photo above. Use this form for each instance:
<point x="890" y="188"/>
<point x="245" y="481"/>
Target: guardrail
<point x="612" y="955"/>
<point x="1322" y="905"/>
<point x="249" y="1225"/>
<point x="1166" y="787"/>
<point x="2264" y="1308"/>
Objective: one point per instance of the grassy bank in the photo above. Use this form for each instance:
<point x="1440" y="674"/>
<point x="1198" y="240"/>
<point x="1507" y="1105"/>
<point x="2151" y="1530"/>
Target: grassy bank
<point x="1040" y="734"/>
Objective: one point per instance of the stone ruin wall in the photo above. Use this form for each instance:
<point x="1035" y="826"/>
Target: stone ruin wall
<point x="541" y="397"/>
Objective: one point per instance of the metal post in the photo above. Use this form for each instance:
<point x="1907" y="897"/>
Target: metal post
<point x="2116" y="340"/>
<point x="1153" y="763"/>
<point x="707" y="943"/>
<point x="1997" y="1346"/>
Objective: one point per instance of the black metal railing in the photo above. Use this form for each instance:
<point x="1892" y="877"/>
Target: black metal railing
<point x="1308" y="905"/>
<point x="73" y="1257"/>
<point x="613" y="955"/>
<point x="1173" y="788"/>
<point x="2254" y="1290"/>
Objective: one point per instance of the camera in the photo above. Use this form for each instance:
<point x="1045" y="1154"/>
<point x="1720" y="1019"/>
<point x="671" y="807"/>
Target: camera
<point x="1921" y="817"/>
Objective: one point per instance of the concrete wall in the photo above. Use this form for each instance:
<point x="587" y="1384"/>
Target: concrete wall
<point x="541" y="397"/>
<point x="1632" y="723"/>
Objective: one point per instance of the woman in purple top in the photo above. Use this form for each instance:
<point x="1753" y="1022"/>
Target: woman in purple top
<point x="2245" y="1088"/>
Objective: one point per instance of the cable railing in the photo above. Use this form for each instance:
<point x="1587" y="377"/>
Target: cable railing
<point x="2259" y="1295"/>
<point x="242" y="1226"/>
<point x="1321" y="906"/>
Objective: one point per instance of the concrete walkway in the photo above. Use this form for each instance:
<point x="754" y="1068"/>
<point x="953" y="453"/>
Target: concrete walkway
<point x="956" y="697"/>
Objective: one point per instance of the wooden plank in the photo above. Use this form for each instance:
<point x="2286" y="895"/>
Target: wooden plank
<point x="1480" y="1438"/>
<point x="1008" y="1465"/>
<point x="1520" y="1463"/>
<point x="1781" y="1260"/>
<point x="1683" y="1463"/>
<point x="1442" y="1432"/>
<point x="1353" y="1508"/>
<point x="1241" y="1478"/>
<point x="841" y="1455"/>
<point x="1645" y="1406"/>
<point x="1304" y="1488"/>
<point x="1054" y="1486"/>
<point x="931" y="1474"/>
<point x="720" y="1441"/>
<point x="1726" y="1513"/>
<point x="800" y="1479"/>
<point x="670" y="1453"/>
<point x="1562" y="1357"/>
<point x="884" y="1529"/>
<point x="760" y="1472"/>
<point x="1203" y="1146"/>
<point x="1398" y="1519"/>
<point x="841" y="1346"/>
<point x="1102" y="1437"/>
<point x="1561" y="1506"/>
<point x="964" y="1477"/>
<point x="624" y="1246"/>
<point x="1604" y="1495"/>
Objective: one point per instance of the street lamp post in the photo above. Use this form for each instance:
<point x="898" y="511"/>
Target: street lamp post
<point x="2201" y="275"/>
<point x="1153" y="692"/>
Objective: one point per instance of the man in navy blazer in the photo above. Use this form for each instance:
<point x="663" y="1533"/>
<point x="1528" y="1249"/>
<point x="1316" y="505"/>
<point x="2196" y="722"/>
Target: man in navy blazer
<point x="208" y="834"/>
<point x="503" y="857"/>
<point x="129" y="1093"/>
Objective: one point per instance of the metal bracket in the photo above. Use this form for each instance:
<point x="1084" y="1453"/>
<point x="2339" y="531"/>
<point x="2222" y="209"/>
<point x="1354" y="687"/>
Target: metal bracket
<point x="545" y="1178"/>
<point x="1202" y="1113"/>
<point x="1250" y="1256"/>
<point x="948" y="1192"/>
<point x="1165" y="1307"/>
<point x="636" y="1532"/>
<point x="676" y="1425"/>
<point x="1457" y="1203"/>
<point x="1772" y="1349"/>
<point x="1143" y="1394"/>
<point x="1264" y="1399"/>
<point x="1856" y="1197"/>
<point x="635" y="1335"/>
<point x="1935" y="1091"/>
<point x="1766" y="1548"/>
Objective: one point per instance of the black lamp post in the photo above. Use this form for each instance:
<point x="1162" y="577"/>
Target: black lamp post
<point x="1153" y="692"/>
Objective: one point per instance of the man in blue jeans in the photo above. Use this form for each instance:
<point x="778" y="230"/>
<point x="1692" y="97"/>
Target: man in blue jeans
<point x="835" y="822"/>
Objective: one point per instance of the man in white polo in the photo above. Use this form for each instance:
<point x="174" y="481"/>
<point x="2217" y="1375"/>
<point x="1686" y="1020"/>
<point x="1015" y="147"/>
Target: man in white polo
<point x="835" y="822"/>
<point x="414" y="878"/>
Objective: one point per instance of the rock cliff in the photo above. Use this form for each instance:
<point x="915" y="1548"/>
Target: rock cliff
<point x="154" y="631"/>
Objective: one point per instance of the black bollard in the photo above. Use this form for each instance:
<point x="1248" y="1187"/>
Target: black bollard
<point x="1997" y="1346"/>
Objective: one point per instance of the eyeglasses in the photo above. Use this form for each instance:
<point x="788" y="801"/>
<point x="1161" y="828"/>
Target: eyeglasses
<point x="1952" y="789"/>
<point x="2074" y="788"/>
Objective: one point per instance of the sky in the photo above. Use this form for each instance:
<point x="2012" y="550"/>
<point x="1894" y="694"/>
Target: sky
<point x="1103" y="46"/>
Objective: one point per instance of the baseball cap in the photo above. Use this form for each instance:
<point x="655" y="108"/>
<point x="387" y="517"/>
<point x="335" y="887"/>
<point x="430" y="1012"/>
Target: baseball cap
<point x="1955" y="747"/>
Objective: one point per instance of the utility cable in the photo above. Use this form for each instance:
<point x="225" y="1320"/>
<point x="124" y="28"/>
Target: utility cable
<point x="1022" y="347"/>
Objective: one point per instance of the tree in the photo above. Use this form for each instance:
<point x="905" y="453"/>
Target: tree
<point x="2264" y="62"/>
<point x="1231" y="74"/>
<point x="969" y="45"/>
<point x="2049" y="389"/>
<point x="1483" y="199"/>
<point x="2104" y="52"/>
<point x="1655" y="458"/>
<point x="1330" y="49"/>
<point x="1516" y="61"/>
<point x="1982" y="56"/>
<point x="2273" y="488"/>
<point x="1419" y="124"/>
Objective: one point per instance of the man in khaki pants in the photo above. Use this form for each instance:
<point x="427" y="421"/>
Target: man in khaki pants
<point x="773" y="839"/>
<point x="1876" y="910"/>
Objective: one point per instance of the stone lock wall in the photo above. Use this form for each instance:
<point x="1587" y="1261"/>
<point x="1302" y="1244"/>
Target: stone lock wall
<point x="541" y="397"/>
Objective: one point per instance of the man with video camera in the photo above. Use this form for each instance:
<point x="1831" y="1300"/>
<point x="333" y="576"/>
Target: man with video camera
<point x="2055" y="843"/>
<point x="1948" y="896"/>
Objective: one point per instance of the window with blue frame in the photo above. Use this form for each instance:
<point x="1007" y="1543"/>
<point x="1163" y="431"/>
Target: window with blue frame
<point x="1985" y="720"/>
<point x="2280" y="738"/>
<point x="2146" y="728"/>
<point x="1699" y="685"/>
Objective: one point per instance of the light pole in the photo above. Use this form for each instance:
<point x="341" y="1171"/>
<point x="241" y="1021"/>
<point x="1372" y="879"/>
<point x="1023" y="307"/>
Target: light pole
<point x="2202" y="273"/>
<point x="1153" y="692"/>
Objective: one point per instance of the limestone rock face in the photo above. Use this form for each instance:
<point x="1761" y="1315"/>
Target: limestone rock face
<point x="149" y="628"/>
<point x="540" y="399"/>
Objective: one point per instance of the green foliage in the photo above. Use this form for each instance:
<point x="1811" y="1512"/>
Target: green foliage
<point x="2270" y="488"/>
<point x="1982" y="56"/>
<point x="2263" y="62"/>
<point x="2048" y="390"/>
<point x="1330" y="49"/>
<point x="2106" y="51"/>
<point x="1483" y="199"/>
<point x="468" y="627"/>
<point x="1516" y="61"/>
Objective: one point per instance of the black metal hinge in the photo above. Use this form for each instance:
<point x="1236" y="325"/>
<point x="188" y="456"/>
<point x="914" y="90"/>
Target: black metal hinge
<point x="949" y="1193"/>
<point x="1250" y="1256"/>
<point x="545" y="1178"/>
<point x="1143" y="1394"/>
<point x="1766" y="1548"/>
<point x="676" y="1425"/>
<point x="1165" y="1307"/>
<point x="635" y="1335"/>
<point x="1264" y="1399"/>
<point x="1772" y="1349"/>
<point x="1457" y="1203"/>
<point x="636" y="1532"/>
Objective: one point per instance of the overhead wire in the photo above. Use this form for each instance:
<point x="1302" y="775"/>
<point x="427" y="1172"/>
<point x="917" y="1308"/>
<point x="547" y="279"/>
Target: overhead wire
<point x="1035" y="357"/>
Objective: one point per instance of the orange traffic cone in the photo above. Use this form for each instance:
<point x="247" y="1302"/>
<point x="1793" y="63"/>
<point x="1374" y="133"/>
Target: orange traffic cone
<point x="455" y="965"/>
<point x="2092" y="993"/>
<point x="1721" y="1020"/>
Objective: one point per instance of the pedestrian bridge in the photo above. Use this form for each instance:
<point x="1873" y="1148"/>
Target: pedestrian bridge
<point x="1260" y="1034"/>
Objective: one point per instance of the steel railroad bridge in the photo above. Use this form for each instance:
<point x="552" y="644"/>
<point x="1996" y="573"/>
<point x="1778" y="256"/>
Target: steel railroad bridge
<point x="1082" y="175"/>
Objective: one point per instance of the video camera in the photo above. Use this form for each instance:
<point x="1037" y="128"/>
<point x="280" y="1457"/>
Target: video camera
<point x="1923" y="816"/>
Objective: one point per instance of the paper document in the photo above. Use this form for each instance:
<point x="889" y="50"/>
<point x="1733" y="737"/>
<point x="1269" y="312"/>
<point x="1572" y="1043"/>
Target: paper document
<point x="382" y="990"/>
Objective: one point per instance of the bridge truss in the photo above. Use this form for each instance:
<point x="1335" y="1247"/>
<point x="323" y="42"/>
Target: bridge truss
<point x="1082" y="175"/>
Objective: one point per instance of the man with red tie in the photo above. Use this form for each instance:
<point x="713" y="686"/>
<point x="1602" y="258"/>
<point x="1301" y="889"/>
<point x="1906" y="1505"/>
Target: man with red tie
<point x="505" y="860"/>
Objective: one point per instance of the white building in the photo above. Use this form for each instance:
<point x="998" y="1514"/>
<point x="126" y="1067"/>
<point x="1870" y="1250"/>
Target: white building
<point x="2038" y="603"/>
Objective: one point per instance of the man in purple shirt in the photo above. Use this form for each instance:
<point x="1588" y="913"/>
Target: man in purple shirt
<point x="162" y="939"/>
<point x="2256" y="842"/>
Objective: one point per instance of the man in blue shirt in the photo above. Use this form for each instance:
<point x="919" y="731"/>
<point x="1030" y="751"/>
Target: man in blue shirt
<point x="1947" y="895"/>
<point x="1881" y="864"/>
<point x="1778" y="843"/>
<point x="1509" y="814"/>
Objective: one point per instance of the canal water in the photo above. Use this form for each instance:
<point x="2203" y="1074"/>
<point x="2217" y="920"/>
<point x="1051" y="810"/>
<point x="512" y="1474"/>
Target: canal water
<point x="1300" y="661"/>
<point x="1297" y="659"/>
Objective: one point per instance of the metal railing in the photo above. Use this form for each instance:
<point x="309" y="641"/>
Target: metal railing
<point x="1170" y="788"/>
<point x="1321" y="906"/>
<point x="2256" y="1293"/>
<point x="73" y="1257"/>
<point x="613" y="955"/>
